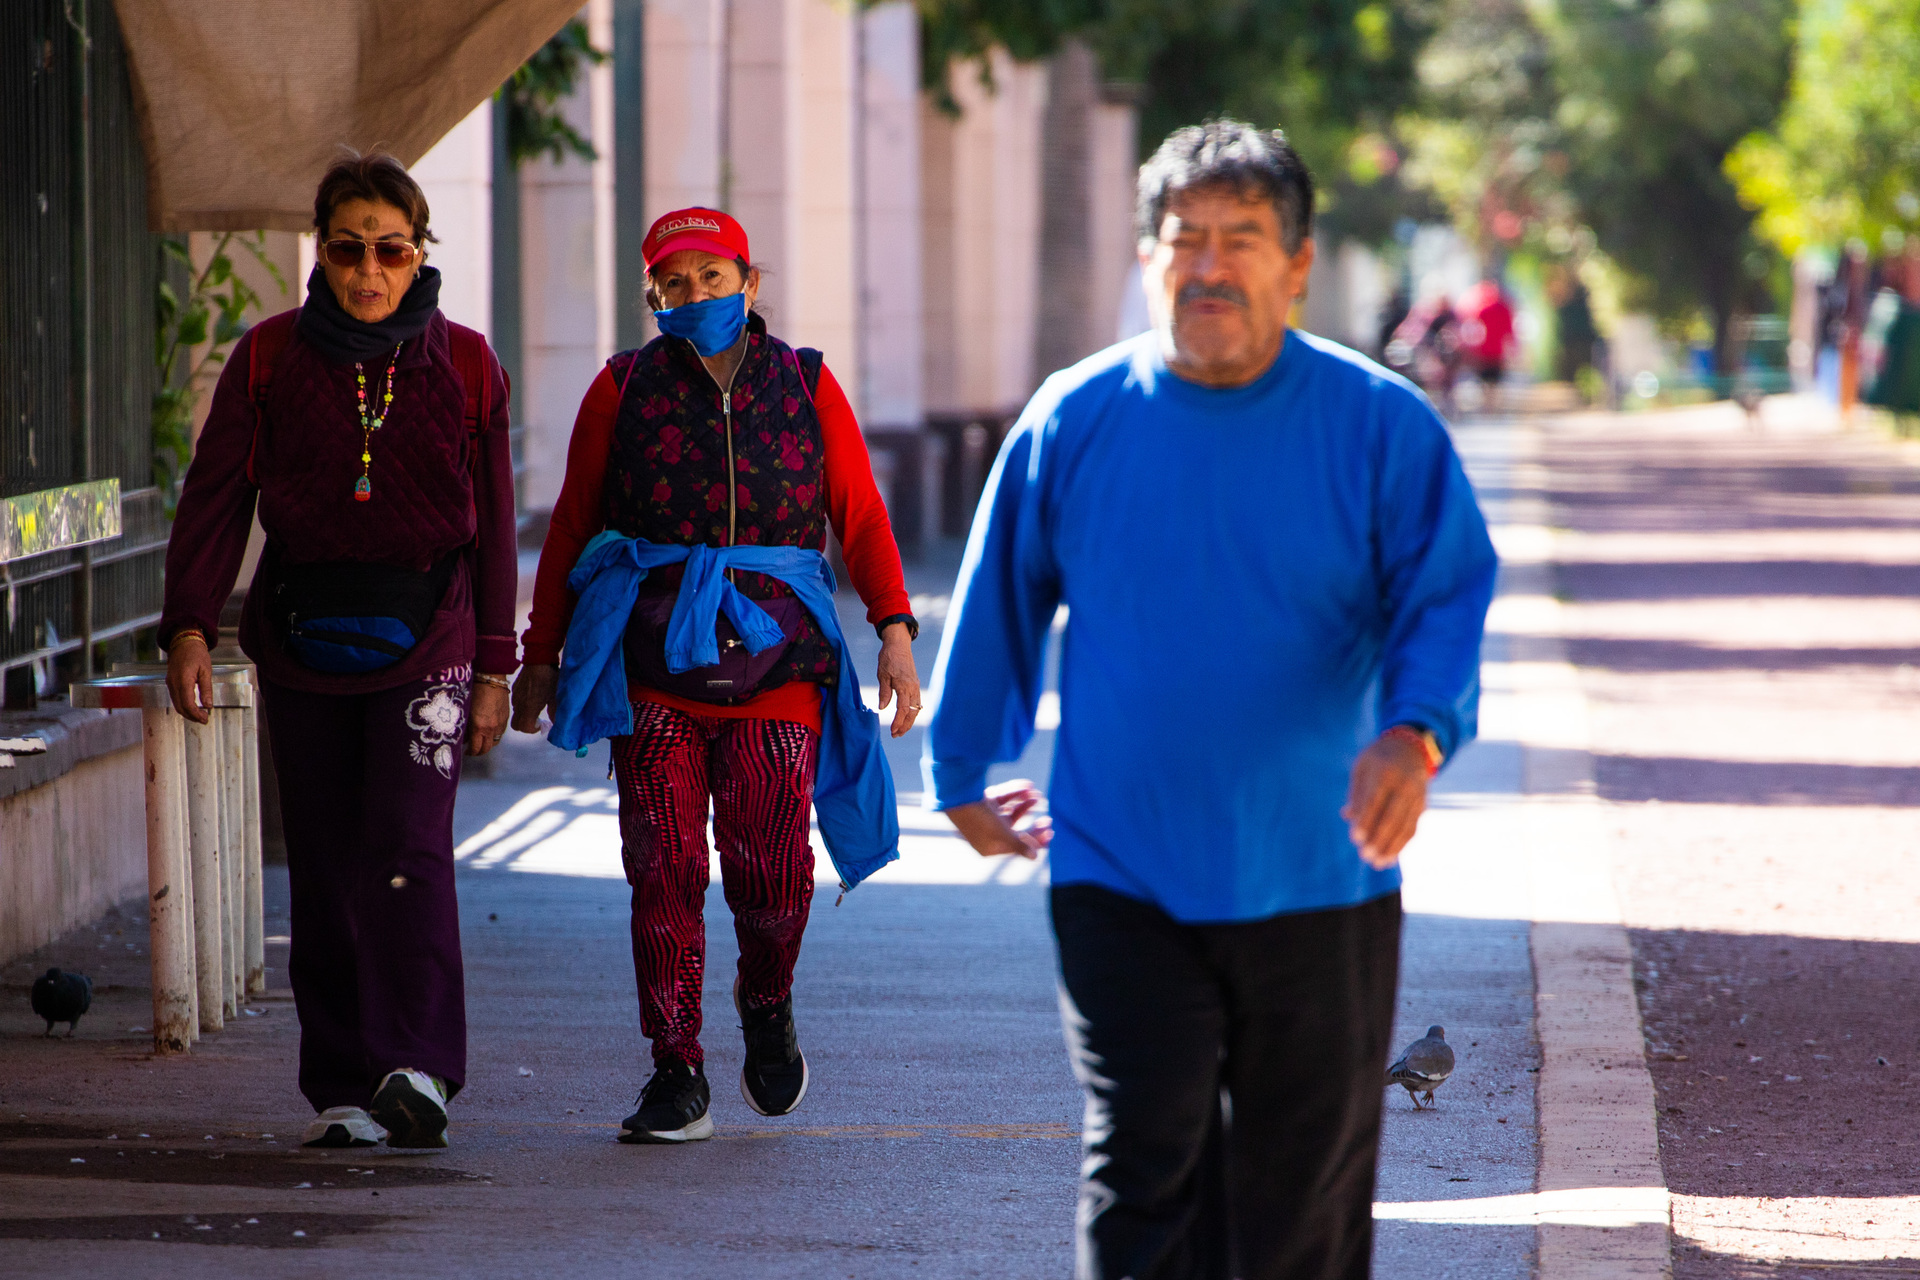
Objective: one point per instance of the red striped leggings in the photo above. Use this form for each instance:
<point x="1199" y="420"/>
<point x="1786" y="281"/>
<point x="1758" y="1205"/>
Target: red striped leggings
<point x="758" y="775"/>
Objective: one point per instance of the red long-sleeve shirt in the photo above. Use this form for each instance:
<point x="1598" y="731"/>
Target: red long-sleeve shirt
<point x="853" y="505"/>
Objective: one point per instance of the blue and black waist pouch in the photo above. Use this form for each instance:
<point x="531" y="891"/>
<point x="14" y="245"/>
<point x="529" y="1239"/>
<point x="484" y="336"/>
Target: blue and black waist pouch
<point x="348" y="617"/>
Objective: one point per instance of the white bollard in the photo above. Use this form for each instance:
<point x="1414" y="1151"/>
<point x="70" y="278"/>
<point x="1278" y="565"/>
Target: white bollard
<point x="233" y="884"/>
<point x="203" y="870"/>
<point x="250" y="851"/>
<point x="170" y="892"/>
<point x="209" y="907"/>
<point x="170" y="899"/>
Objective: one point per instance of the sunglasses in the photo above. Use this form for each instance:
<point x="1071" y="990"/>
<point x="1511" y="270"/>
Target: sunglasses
<point x="351" y="253"/>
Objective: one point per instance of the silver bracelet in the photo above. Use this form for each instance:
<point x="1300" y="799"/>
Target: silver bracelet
<point x="498" y="682"/>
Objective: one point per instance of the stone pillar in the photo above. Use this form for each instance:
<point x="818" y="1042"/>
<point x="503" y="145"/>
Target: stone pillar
<point x="890" y="226"/>
<point x="981" y="192"/>
<point x="820" y="268"/>
<point x="683" y="115"/>
<point x="457" y="176"/>
<point x="1086" y="238"/>
<point x="754" y="185"/>
<point x="566" y="277"/>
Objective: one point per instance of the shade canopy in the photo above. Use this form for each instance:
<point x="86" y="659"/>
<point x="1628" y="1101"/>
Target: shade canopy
<point x="244" y="103"/>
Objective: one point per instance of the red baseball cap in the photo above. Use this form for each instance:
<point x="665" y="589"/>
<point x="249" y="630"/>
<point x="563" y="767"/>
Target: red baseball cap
<point x="694" y="228"/>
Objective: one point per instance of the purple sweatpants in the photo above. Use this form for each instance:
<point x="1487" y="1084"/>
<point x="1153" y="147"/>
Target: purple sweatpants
<point x="367" y="784"/>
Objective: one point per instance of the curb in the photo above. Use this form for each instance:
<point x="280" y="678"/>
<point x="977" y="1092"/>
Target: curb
<point x="1601" y="1194"/>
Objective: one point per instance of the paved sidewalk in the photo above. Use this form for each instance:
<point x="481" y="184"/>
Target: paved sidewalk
<point x="1744" y="606"/>
<point x="939" y="1137"/>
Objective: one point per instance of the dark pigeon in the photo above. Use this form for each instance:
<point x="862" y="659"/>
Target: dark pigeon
<point x="1424" y="1067"/>
<point x="62" y="997"/>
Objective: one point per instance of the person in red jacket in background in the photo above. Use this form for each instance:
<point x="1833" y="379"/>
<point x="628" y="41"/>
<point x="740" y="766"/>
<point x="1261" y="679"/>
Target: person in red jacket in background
<point x="1486" y="334"/>
<point x="719" y="433"/>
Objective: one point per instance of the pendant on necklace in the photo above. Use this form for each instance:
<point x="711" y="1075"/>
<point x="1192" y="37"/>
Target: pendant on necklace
<point x="363" y="490"/>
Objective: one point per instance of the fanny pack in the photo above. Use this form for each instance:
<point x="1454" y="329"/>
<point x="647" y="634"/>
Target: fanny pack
<point x="345" y="617"/>
<point x="738" y="675"/>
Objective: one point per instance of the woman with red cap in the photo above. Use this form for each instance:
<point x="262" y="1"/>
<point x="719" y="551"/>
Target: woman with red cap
<point x="714" y="447"/>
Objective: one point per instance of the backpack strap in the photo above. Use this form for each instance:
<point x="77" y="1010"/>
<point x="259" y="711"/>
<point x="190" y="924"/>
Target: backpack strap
<point x="811" y="362"/>
<point x="623" y="363"/>
<point x="474" y="362"/>
<point x="267" y="340"/>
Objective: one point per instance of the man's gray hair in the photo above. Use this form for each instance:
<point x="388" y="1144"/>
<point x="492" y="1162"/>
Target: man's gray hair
<point x="1234" y="155"/>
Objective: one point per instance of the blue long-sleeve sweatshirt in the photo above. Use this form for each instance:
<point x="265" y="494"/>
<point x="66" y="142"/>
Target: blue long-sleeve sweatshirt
<point x="1258" y="580"/>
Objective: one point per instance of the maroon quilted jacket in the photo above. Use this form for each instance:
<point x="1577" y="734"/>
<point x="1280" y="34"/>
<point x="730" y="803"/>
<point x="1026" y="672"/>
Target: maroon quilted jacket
<point x="429" y="498"/>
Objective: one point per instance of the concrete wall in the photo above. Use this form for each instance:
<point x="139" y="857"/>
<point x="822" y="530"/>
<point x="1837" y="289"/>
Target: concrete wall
<point x="71" y="848"/>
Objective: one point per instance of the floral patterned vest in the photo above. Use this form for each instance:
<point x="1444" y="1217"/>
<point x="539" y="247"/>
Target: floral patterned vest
<point x="667" y="474"/>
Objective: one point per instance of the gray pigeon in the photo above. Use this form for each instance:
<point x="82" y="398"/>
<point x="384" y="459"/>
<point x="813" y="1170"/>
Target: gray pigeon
<point x="62" y="997"/>
<point x="1424" y="1067"/>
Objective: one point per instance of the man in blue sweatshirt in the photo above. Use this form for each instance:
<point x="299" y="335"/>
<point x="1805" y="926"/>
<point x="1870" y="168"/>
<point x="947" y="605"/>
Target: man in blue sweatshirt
<point x="1275" y="579"/>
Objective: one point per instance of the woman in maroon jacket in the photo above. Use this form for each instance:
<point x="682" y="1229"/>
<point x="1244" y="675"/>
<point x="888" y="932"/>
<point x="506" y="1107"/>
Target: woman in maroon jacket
<point x="371" y="434"/>
<point x="718" y="433"/>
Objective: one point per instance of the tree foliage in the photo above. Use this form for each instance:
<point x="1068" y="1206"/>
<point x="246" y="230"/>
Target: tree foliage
<point x="1558" y="124"/>
<point x="1844" y="158"/>
<point x="532" y="95"/>
<point x="208" y="315"/>
<point x="1653" y="98"/>
<point x="1321" y="70"/>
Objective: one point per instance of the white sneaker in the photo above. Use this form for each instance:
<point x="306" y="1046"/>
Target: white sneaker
<point x="342" y="1127"/>
<point x="413" y="1108"/>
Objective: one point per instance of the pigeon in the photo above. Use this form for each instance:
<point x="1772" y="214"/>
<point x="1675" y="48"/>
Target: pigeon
<point x="62" y="997"/>
<point x="1424" y="1067"/>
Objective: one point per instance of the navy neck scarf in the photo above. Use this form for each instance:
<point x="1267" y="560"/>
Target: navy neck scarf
<point x="344" y="340"/>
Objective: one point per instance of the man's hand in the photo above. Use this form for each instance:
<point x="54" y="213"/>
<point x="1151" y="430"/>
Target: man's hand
<point x="1385" y="799"/>
<point x="190" y="673"/>
<point x="486" y="717"/>
<point x="533" y="695"/>
<point x="988" y="825"/>
<point x="897" y="675"/>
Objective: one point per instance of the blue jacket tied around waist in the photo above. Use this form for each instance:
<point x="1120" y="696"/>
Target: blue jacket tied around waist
<point x="853" y="795"/>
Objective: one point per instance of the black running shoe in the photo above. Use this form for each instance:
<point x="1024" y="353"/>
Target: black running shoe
<point x="774" y="1078"/>
<point x="672" y="1107"/>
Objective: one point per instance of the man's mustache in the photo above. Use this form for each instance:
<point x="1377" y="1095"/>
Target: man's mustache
<point x="1196" y="290"/>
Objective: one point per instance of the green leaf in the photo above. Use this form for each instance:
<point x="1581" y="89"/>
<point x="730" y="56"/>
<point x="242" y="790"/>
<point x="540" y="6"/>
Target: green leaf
<point x="193" y="327"/>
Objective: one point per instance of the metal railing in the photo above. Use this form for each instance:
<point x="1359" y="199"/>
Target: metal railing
<point x="77" y="287"/>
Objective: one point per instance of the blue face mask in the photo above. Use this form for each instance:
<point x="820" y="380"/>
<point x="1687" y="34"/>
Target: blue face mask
<point x="711" y="326"/>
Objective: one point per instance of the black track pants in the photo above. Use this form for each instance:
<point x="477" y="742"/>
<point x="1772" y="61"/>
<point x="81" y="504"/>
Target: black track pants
<point x="1233" y="1079"/>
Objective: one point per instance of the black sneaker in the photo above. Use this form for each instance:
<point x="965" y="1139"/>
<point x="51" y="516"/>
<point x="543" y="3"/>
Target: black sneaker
<point x="774" y="1077"/>
<point x="672" y="1107"/>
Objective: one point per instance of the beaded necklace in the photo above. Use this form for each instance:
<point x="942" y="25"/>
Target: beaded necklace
<point x="370" y="423"/>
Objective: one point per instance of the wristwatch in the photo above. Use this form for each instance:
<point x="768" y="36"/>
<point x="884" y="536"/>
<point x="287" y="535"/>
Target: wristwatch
<point x="913" y="626"/>
<point x="1423" y="737"/>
